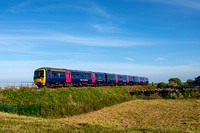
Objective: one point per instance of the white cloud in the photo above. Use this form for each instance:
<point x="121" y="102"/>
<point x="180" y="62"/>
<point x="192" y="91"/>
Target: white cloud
<point x="129" y="59"/>
<point x="160" y="59"/>
<point x="100" y="11"/>
<point x="22" y="40"/>
<point x="186" y="3"/>
<point x="105" y="28"/>
<point x="19" y="6"/>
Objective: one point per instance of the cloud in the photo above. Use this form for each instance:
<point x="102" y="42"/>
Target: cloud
<point x="160" y="59"/>
<point x="105" y="28"/>
<point x="100" y="11"/>
<point x="186" y="3"/>
<point x="21" y="39"/>
<point x="129" y="59"/>
<point x="19" y="6"/>
<point x="45" y="5"/>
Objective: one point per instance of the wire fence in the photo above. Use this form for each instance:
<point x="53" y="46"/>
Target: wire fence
<point x="29" y="110"/>
<point x="17" y="85"/>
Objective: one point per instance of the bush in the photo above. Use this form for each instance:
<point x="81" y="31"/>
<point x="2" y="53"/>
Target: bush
<point x="161" y="85"/>
<point x="175" y="81"/>
<point x="165" y="94"/>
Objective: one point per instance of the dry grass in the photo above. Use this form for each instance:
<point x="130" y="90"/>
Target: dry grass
<point x="178" y="115"/>
<point x="134" y="116"/>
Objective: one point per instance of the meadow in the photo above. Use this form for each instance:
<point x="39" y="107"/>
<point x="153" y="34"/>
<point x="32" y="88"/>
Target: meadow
<point x="103" y="109"/>
<point x="156" y="115"/>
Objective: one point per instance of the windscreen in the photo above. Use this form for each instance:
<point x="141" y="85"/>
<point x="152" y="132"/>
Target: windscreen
<point x="38" y="74"/>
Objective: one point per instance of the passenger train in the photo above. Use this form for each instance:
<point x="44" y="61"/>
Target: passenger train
<point x="54" y="77"/>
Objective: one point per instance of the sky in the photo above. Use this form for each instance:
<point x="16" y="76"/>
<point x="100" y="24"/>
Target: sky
<point x="158" y="39"/>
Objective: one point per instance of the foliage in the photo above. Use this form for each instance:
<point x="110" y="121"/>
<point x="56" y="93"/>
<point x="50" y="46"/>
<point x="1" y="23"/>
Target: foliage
<point x="174" y="81"/>
<point x="189" y="81"/>
<point x="161" y="85"/>
<point x="171" y="85"/>
<point x="67" y="102"/>
<point x="165" y="94"/>
<point x="168" y="93"/>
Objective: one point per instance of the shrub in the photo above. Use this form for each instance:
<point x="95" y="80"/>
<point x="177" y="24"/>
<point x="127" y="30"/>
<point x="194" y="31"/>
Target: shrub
<point x="165" y="94"/>
<point x="161" y="85"/>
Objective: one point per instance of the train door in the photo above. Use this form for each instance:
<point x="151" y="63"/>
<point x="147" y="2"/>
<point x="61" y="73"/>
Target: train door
<point x="48" y="77"/>
<point x="116" y="79"/>
<point x="93" y="77"/>
<point x="127" y="79"/>
<point x="68" y="76"/>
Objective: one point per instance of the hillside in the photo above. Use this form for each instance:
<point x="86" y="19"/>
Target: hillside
<point x="133" y="116"/>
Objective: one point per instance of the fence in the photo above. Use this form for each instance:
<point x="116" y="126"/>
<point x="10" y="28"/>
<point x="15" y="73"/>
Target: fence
<point x="29" y="110"/>
<point x="16" y="85"/>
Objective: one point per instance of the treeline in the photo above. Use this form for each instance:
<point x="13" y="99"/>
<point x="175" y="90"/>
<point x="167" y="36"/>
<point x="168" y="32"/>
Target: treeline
<point x="189" y="93"/>
<point x="174" y="83"/>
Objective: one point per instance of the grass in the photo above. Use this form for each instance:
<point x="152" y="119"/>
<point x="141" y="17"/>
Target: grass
<point x="158" y="115"/>
<point x="66" y="102"/>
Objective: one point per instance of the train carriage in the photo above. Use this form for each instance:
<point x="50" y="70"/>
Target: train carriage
<point x="53" y="77"/>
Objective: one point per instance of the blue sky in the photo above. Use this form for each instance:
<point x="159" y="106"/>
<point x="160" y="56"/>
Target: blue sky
<point x="159" y="39"/>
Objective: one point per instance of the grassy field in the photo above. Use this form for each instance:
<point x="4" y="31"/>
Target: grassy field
<point x="64" y="102"/>
<point x="156" y="115"/>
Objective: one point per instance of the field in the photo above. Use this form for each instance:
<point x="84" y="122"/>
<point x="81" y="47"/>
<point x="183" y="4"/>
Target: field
<point x="156" y="115"/>
<point x="62" y="102"/>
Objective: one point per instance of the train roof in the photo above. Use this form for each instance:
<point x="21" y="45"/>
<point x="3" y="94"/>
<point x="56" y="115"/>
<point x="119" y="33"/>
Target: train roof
<point x="70" y="70"/>
<point x="87" y="71"/>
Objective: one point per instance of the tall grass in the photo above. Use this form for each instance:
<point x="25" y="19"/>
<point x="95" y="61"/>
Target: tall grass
<point x="66" y="102"/>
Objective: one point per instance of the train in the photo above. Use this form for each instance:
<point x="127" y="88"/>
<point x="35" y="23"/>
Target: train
<point x="55" y="77"/>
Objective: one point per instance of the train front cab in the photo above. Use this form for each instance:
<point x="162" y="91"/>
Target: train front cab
<point x="40" y="77"/>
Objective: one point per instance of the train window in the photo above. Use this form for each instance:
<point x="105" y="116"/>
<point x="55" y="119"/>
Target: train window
<point x="77" y="76"/>
<point x="124" y="78"/>
<point x="62" y="75"/>
<point x="111" y="77"/>
<point x="54" y="74"/>
<point x="99" y="76"/>
<point x="72" y="75"/>
<point x="39" y="74"/>
<point x="84" y="76"/>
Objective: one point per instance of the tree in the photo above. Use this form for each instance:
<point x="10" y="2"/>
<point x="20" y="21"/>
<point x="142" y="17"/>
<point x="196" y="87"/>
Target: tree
<point x="175" y="81"/>
<point x="189" y="81"/>
<point x="161" y="85"/>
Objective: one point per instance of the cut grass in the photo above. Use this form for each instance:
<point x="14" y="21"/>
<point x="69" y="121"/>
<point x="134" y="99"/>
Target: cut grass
<point x="134" y="116"/>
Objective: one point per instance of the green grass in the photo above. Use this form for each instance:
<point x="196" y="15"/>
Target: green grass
<point x="66" y="102"/>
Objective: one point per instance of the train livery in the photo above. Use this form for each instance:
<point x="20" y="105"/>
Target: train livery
<point x="54" y="77"/>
